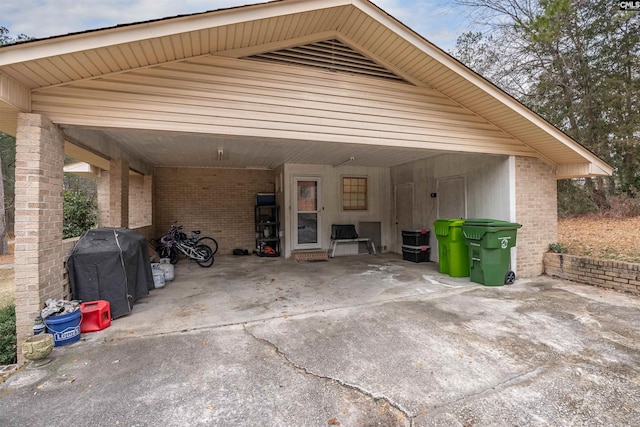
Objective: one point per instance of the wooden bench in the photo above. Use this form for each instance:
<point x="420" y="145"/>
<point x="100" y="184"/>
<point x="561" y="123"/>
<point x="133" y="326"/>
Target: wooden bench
<point x="346" y="233"/>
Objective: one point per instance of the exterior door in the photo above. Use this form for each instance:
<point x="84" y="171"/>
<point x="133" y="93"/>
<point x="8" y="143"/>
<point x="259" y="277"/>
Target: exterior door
<point x="307" y="213"/>
<point x="404" y="212"/>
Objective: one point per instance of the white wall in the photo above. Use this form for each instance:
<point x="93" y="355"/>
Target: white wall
<point x="488" y="194"/>
<point x="379" y="194"/>
<point x="487" y="178"/>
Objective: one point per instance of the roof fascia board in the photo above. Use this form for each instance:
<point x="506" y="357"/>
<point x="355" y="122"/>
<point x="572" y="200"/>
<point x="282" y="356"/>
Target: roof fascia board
<point x="466" y="73"/>
<point x="579" y="170"/>
<point x="148" y="30"/>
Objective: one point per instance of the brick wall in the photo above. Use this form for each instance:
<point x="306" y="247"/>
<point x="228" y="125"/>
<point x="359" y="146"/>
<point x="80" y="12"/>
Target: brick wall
<point x="39" y="253"/>
<point x="220" y="202"/>
<point x="118" y="193"/>
<point x="536" y="210"/>
<point x="103" y="198"/>
<point x="621" y="276"/>
<point x="140" y="191"/>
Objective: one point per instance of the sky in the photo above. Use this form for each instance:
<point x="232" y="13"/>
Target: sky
<point x="439" y="21"/>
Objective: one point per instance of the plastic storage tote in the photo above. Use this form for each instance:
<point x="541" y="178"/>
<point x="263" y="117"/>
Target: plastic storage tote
<point x="490" y="242"/>
<point x="415" y="237"/>
<point x="416" y="253"/>
<point x="453" y="254"/>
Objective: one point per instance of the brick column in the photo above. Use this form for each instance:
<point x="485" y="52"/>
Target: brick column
<point x="537" y="211"/>
<point x="119" y="193"/>
<point x="103" y="199"/>
<point x="39" y="255"/>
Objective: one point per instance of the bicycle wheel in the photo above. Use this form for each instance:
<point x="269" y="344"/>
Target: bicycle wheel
<point x="204" y="256"/>
<point x="211" y="242"/>
<point x="170" y="253"/>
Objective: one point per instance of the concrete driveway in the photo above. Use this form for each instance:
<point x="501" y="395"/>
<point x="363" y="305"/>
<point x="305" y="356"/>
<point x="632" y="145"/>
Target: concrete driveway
<point x="356" y="341"/>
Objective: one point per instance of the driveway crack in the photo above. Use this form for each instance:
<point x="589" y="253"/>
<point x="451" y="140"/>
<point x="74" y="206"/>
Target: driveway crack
<point x="398" y="407"/>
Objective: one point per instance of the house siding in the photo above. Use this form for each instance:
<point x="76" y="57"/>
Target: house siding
<point x="257" y="99"/>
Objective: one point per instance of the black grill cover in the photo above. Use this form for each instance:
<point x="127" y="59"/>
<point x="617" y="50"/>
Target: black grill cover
<point x="110" y="264"/>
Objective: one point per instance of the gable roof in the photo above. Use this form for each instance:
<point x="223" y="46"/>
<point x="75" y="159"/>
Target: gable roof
<point x="263" y="31"/>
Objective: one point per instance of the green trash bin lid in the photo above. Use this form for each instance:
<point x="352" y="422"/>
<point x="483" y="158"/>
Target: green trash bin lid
<point x="488" y="222"/>
<point x="441" y="226"/>
<point x="476" y="228"/>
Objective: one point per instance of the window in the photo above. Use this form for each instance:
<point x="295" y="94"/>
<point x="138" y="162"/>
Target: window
<point x="354" y="193"/>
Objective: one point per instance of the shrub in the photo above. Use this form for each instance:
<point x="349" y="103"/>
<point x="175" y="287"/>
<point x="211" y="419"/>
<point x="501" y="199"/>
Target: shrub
<point x="8" y="340"/>
<point x="624" y="207"/>
<point x="80" y="213"/>
<point x="557" y="248"/>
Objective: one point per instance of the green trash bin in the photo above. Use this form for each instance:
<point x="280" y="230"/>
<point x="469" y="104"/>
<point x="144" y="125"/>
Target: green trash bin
<point x="453" y="255"/>
<point x="490" y="242"/>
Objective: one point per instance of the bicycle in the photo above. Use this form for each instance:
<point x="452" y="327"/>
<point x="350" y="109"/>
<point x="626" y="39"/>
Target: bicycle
<point x="175" y="242"/>
<point x="195" y="236"/>
<point x="206" y="240"/>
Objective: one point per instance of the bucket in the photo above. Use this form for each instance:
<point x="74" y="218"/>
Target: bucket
<point x="158" y="278"/>
<point x="65" y="328"/>
<point x="167" y="269"/>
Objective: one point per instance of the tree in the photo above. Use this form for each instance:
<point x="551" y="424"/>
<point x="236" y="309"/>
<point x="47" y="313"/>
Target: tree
<point x="5" y="38"/>
<point x="7" y="165"/>
<point x="577" y="65"/>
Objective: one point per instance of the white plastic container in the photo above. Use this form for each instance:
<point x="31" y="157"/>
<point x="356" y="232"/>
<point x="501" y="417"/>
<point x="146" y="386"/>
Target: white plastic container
<point x="167" y="269"/>
<point x="158" y="278"/>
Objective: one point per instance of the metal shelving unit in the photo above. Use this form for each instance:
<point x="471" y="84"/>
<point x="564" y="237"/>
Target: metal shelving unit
<point x="267" y="230"/>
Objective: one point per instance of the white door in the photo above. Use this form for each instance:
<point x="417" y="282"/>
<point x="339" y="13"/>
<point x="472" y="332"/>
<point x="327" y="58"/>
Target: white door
<point x="307" y="213"/>
<point x="452" y="197"/>
<point x="404" y="212"/>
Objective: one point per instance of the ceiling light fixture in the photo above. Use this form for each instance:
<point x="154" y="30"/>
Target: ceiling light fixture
<point x="349" y="160"/>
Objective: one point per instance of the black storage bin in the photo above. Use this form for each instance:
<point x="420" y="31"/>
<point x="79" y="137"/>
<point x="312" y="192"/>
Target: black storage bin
<point x="265" y="199"/>
<point x="416" y="253"/>
<point x="415" y="237"/>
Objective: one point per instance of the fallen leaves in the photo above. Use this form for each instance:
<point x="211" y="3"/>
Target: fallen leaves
<point x="333" y="422"/>
<point x="600" y="237"/>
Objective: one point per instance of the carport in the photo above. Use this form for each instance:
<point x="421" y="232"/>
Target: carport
<point x="187" y="118"/>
